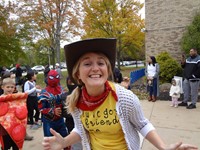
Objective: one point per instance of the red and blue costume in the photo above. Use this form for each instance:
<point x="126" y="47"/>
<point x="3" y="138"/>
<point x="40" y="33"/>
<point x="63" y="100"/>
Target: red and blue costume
<point x="52" y="98"/>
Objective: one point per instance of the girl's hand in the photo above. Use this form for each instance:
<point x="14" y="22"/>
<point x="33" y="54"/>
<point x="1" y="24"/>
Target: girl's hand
<point x="55" y="142"/>
<point x="180" y="146"/>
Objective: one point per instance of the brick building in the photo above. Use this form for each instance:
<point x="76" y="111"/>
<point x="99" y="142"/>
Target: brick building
<point x="165" y="23"/>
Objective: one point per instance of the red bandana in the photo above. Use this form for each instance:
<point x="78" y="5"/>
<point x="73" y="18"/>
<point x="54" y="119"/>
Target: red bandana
<point x="89" y="103"/>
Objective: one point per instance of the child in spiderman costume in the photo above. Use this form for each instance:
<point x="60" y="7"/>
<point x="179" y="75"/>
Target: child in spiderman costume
<point x="52" y="106"/>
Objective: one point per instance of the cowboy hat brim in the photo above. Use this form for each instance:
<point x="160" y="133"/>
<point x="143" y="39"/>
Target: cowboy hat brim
<point x="74" y="51"/>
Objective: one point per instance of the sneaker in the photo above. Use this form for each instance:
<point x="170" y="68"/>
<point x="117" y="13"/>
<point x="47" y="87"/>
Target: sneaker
<point x="183" y="104"/>
<point x="172" y="105"/>
<point x="191" y="106"/>
<point x="38" y="124"/>
<point x="28" y="138"/>
<point x="176" y="106"/>
<point x="34" y="127"/>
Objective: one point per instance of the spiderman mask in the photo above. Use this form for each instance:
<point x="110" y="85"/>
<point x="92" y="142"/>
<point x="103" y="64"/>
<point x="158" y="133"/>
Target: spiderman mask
<point x="53" y="78"/>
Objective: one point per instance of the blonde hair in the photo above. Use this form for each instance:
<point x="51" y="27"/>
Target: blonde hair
<point x="8" y="81"/>
<point x="72" y="99"/>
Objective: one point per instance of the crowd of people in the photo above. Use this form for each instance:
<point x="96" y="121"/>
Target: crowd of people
<point x="35" y="111"/>
<point x="98" y="109"/>
<point x="190" y="80"/>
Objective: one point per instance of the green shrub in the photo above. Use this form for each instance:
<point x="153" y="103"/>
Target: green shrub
<point x="169" y="67"/>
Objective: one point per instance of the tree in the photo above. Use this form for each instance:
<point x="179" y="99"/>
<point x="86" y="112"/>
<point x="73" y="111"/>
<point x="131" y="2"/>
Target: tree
<point x="118" y="19"/>
<point x="41" y="52"/>
<point x="10" y="45"/>
<point x="50" y="20"/>
<point x="191" y="38"/>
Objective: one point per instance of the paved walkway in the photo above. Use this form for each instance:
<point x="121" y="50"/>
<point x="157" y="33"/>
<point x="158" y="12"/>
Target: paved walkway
<point x="172" y="124"/>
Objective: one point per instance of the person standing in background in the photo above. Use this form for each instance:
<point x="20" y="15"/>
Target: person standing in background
<point x="4" y="70"/>
<point x="18" y="76"/>
<point x="58" y="69"/>
<point x="32" y="100"/>
<point x="152" y="74"/>
<point x="68" y="119"/>
<point x="117" y="75"/>
<point x="191" y="78"/>
<point x="70" y="85"/>
<point x="46" y="71"/>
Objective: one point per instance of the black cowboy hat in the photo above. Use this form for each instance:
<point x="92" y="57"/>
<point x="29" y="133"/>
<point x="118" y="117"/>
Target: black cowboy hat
<point x="74" y="51"/>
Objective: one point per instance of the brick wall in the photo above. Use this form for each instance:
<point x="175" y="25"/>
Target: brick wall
<point x="165" y="23"/>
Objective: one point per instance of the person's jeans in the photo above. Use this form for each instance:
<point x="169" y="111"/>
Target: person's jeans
<point x="153" y="88"/>
<point x="58" y="125"/>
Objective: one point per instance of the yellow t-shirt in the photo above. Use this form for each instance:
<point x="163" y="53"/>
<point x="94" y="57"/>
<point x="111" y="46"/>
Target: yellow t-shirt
<point x="104" y="127"/>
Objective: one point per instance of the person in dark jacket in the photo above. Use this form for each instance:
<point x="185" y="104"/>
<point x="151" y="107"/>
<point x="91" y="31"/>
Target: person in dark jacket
<point x="117" y="75"/>
<point x="3" y="71"/>
<point x="191" y="79"/>
<point x="46" y="71"/>
<point x="18" y="74"/>
<point x="70" y="85"/>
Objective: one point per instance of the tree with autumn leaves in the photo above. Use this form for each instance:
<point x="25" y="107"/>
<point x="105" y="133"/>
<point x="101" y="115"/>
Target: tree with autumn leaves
<point x="10" y="45"/>
<point x="51" y="21"/>
<point x="118" y="19"/>
<point x="44" y="24"/>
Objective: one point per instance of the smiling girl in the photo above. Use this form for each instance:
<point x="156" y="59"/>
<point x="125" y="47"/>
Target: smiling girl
<point x="106" y="115"/>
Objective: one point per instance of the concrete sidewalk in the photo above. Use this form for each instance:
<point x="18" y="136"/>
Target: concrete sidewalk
<point x="172" y="124"/>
